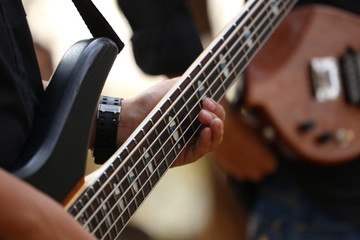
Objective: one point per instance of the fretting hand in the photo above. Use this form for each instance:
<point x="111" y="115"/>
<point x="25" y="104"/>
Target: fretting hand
<point x="134" y="110"/>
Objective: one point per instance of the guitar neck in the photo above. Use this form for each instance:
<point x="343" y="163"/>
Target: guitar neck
<point x="106" y="206"/>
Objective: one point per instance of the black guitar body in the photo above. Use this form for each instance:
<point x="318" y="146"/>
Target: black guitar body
<point x="55" y="156"/>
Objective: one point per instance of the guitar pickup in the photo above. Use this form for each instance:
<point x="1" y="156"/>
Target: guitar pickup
<point x="325" y="78"/>
<point x="350" y="66"/>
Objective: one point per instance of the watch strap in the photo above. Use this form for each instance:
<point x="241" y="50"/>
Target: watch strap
<point x="108" y="117"/>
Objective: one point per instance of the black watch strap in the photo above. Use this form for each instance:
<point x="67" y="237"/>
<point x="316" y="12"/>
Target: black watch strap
<point x="106" y="128"/>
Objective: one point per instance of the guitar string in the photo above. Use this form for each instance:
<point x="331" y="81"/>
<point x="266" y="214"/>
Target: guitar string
<point x="230" y="74"/>
<point x="137" y="193"/>
<point x="170" y="136"/>
<point x="225" y="56"/>
<point x="139" y="190"/>
<point x="100" y="189"/>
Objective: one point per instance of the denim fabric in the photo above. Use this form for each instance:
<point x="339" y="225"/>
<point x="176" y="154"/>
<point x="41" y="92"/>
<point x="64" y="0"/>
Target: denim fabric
<point x="282" y="211"/>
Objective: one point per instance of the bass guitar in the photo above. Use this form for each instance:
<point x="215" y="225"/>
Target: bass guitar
<point x="106" y="201"/>
<point x="305" y="85"/>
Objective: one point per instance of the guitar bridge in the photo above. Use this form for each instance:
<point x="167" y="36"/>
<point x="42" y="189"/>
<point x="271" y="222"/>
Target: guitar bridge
<point x="326" y="78"/>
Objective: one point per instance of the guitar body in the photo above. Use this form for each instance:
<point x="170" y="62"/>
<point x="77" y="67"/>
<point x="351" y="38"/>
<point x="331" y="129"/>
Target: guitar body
<point x="279" y="85"/>
<point x="54" y="160"/>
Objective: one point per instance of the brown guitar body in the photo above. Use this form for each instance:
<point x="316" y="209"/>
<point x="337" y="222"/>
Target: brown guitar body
<point x="279" y="84"/>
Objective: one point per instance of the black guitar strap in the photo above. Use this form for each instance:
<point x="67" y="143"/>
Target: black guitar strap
<point x="96" y="23"/>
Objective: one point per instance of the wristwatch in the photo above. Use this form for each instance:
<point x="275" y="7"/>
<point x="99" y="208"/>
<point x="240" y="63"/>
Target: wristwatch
<point x="108" y="117"/>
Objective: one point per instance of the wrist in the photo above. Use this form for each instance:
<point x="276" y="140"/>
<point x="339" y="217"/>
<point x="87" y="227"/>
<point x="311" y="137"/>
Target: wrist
<point x="108" y="116"/>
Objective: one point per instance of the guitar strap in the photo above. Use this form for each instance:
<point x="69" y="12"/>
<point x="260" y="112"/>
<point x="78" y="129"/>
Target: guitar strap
<point x="96" y="22"/>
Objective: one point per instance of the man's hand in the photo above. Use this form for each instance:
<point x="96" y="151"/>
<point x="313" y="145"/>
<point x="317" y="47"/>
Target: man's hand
<point x="212" y="115"/>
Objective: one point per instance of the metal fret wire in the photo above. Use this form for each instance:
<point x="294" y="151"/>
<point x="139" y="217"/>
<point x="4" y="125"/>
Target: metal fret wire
<point x="170" y="136"/>
<point x="185" y="145"/>
<point x="138" y="191"/>
<point x="129" y="188"/>
<point x="155" y="154"/>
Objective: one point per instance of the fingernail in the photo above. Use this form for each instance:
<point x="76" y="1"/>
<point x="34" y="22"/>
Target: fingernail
<point x="206" y="116"/>
<point x="210" y="104"/>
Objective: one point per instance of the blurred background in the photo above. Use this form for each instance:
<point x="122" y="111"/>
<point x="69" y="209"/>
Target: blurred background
<point x="191" y="202"/>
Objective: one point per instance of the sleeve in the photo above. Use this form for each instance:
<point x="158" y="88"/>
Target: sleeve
<point x="165" y="40"/>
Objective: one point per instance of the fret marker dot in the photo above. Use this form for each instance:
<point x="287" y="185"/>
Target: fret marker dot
<point x="201" y="89"/>
<point x="274" y="7"/>
<point x="247" y="36"/>
<point x="223" y="65"/>
<point x="132" y="179"/>
<point x="172" y="127"/>
<point x="147" y="159"/>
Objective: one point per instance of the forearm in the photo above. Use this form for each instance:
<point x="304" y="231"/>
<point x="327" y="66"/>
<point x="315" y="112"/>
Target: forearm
<point x="27" y="213"/>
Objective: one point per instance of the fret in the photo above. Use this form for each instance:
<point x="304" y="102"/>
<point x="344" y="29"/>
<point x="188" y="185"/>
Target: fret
<point x="108" y="204"/>
<point x="171" y="154"/>
<point x="162" y="135"/>
<point x="139" y="198"/>
<point x="167" y="151"/>
<point x="131" y="146"/>
<point x="208" y="90"/>
<point x="97" y="233"/>
<point x="110" y="231"/>
<point x="132" y="180"/>
<point x="205" y="60"/>
<point x="115" y="164"/>
<point x="165" y="107"/>
<point x="175" y="136"/>
<point x="127" y="196"/>
<point x="155" y="131"/>
<point x="110" y="235"/>
<point x="192" y="103"/>
<point x="102" y="228"/>
<point x="93" y="219"/>
<point x="278" y="17"/>
<point x="191" y="76"/>
<point x="117" y="225"/>
<point x="144" y="179"/>
<point x="165" y="154"/>
<point x="186" y="82"/>
<point x="173" y="99"/>
<point x="194" y="89"/>
<point x="209" y="69"/>
<point x="152" y="137"/>
<point x="148" y="162"/>
<point x="74" y="209"/>
<point x="140" y="164"/>
<point x="117" y="194"/>
<point x="181" y="108"/>
<point x="161" y="165"/>
<point x="218" y="45"/>
<point x="105" y="219"/>
<point x="82" y="219"/>
<point x="125" y="185"/>
<point x="156" y="176"/>
<point x="174" y="130"/>
<point x="140" y="136"/>
<point x="132" y="208"/>
<point x="112" y="204"/>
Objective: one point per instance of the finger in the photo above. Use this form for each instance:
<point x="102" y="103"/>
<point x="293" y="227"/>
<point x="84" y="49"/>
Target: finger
<point x="214" y="107"/>
<point x="196" y="148"/>
<point x="217" y="132"/>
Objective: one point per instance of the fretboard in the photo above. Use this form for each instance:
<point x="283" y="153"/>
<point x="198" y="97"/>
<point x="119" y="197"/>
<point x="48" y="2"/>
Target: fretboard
<point x="107" y="205"/>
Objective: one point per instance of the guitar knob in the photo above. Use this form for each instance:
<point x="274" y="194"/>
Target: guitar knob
<point x="345" y="136"/>
<point x="325" y="137"/>
<point x="306" y="126"/>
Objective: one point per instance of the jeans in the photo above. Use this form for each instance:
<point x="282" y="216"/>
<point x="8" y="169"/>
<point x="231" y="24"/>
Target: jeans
<point x="282" y="211"/>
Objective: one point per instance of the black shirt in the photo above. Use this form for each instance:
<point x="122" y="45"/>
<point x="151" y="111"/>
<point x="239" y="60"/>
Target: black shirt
<point x="20" y="84"/>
